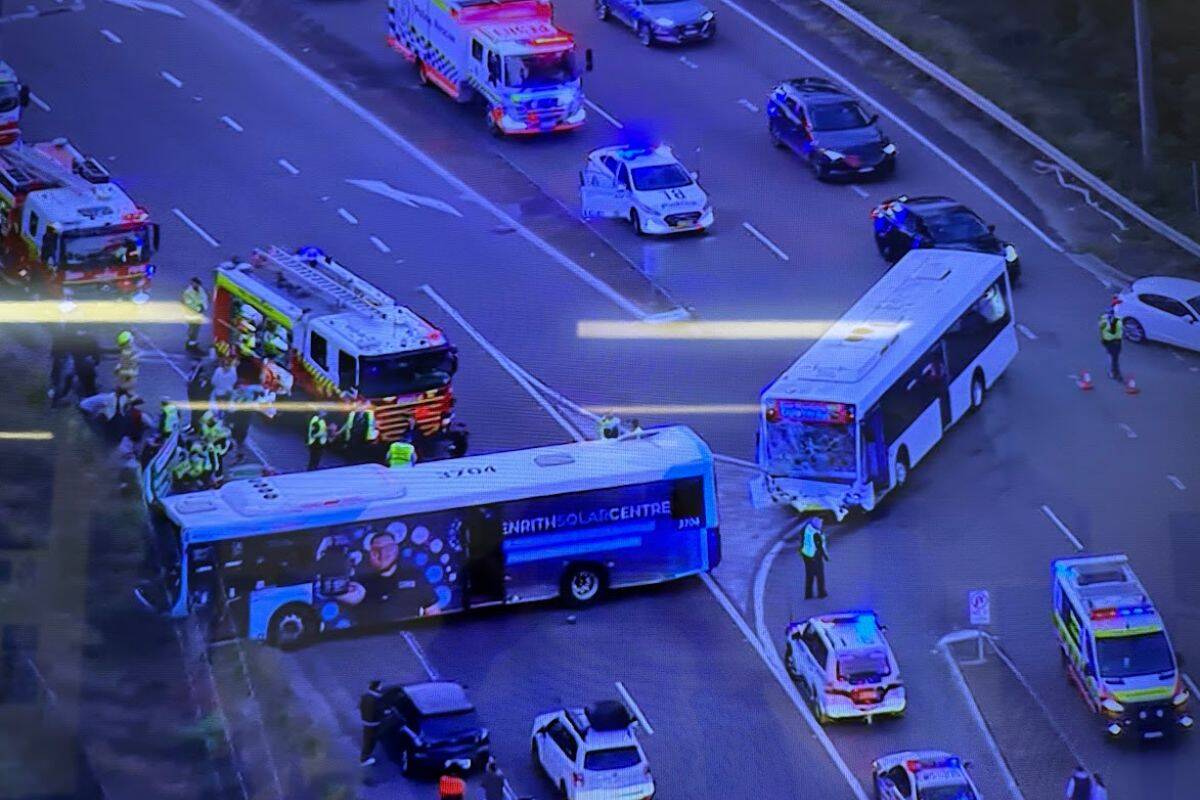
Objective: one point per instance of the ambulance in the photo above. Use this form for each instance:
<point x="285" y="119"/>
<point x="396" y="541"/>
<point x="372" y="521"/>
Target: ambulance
<point x="303" y="322"/>
<point x="65" y="225"/>
<point x="13" y="98"/>
<point x="1115" y="648"/>
<point x="509" y="53"/>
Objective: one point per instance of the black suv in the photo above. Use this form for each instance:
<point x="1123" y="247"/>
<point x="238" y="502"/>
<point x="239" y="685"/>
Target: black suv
<point x="824" y="125"/>
<point x="430" y="727"/>
<point x="905" y="223"/>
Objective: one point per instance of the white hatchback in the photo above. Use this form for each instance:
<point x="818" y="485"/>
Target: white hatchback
<point x="1162" y="309"/>
<point x="647" y="186"/>
<point x="592" y="753"/>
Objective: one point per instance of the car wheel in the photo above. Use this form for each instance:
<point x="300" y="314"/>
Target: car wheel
<point x="901" y="470"/>
<point x="978" y="389"/>
<point x="645" y="35"/>
<point x="636" y="220"/>
<point x="582" y="584"/>
<point x="601" y="10"/>
<point x="292" y="627"/>
<point x="1134" y="331"/>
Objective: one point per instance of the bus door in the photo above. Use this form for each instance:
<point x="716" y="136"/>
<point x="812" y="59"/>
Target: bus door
<point x="875" y="451"/>
<point x="485" y="558"/>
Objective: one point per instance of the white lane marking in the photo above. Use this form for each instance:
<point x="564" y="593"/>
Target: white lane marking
<point x="746" y="104"/>
<point x="1177" y="356"/>
<point x="379" y="244"/>
<point x="1058" y="523"/>
<point x="385" y="189"/>
<point x="1178" y="484"/>
<point x="616" y="123"/>
<point x="1026" y="332"/>
<point x="287" y="165"/>
<point x="858" y="190"/>
<point x="415" y="646"/>
<point x="203" y="234"/>
<point x="171" y="79"/>
<point x="633" y="706"/>
<point x="1190" y="684"/>
<point x="346" y="215"/>
<point x="1115" y="236"/>
<point x="846" y="82"/>
<point x="767" y="243"/>
<point x="39" y="102"/>
<point x="232" y="123"/>
<point x="149" y="5"/>
<point x="552" y="252"/>
<point x="1129" y="432"/>
<point x="504" y="361"/>
<point x="688" y="62"/>
<point x="112" y="37"/>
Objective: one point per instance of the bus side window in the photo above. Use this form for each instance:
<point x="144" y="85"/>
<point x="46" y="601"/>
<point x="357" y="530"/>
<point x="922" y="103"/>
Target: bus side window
<point x="687" y="498"/>
<point x="976" y="328"/>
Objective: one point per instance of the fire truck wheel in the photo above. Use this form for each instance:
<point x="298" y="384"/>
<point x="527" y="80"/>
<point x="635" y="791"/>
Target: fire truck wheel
<point x="292" y="627"/>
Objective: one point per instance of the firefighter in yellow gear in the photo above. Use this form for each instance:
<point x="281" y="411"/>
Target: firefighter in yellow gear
<point x="126" y="371"/>
<point x="168" y="418"/>
<point x="401" y="454"/>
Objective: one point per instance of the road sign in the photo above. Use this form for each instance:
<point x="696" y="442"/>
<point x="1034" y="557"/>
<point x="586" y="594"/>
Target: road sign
<point x="979" y="603"/>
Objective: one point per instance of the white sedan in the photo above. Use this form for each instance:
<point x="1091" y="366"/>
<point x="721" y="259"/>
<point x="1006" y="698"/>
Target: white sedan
<point x="645" y="185"/>
<point x="1163" y="310"/>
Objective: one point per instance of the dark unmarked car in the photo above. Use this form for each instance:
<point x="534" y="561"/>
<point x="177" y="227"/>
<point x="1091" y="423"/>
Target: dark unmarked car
<point x="655" y="21"/>
<point x="432" y="726"/>
<point x="826" y="127"/>
<point x="907" y="223"/>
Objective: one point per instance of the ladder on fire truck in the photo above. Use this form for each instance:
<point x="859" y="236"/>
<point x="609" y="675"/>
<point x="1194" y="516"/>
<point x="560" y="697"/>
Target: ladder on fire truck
<point x="24" y="168"/>
<point x="333" y="280"/>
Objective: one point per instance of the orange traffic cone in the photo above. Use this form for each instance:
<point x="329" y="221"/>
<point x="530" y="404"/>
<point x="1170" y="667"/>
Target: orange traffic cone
<point x="1131" y="386"/>
<point x="1084" y="381"/>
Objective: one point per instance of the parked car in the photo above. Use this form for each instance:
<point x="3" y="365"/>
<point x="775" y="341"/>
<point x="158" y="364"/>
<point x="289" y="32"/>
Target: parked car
<point x="433" y="726"/>
<point x="1162" y="309"/>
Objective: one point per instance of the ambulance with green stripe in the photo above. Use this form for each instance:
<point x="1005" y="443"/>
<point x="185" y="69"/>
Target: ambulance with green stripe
<point x="1115" y="647"/>
<point x="508" y="53"/>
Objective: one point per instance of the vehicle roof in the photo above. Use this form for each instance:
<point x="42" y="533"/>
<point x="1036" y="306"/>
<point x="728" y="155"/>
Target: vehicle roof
<point x="63" y="197"/>
<point x="859" y="356"/>
<point x="526" y="34"/>
<point x="927" y="203"/>
<point x="1182" y="288"/>
<point x="1108" y="582"/>
<point x="851" y="630"/>
<point x="813" y="89"/>
<point x="636" y="156"/>
<point x="368" y="491"/>
<point x="598" y="736"/>
<point x="438" y="697"/>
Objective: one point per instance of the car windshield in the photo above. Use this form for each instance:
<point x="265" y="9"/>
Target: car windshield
<point x="1128" y="656"/>
<point x="863" y="666"/>
<point x="661" y="176"/>
<point x="10" y="97"/>
<point x="449" y="726"/>
<point x="111" y="248"/>
<point x="957" y="791"/>
<point x="382" y="376"/>
<point x="541" y="70"/>
<point x="954" y="225"/>
<point x="612" y="758"/>
<point x="837" y="117"/>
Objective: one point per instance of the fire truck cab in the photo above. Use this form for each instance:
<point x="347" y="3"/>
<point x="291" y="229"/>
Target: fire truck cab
<point x="304" y="321"/>
<point x="65" y="224"/>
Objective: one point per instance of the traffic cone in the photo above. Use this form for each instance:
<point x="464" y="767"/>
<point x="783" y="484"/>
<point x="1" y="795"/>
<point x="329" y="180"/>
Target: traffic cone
<point x="1084" y="381"/>
<point x="1131" y="386"/>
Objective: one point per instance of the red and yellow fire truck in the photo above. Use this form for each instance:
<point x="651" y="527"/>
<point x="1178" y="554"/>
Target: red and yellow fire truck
<point x="67" y="227"/>
<point x="306" y="322"/>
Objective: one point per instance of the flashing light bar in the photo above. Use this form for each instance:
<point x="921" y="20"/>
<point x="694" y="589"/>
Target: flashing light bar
<point x="916" y="765"/>
<point x="1122" y="611"/>
<point x="559" y="39"/>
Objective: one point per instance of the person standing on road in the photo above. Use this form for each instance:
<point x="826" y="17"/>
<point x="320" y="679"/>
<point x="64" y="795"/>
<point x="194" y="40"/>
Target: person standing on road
<point x="812" y="550"/>
<point x="493" y="780"/>
<point x="223" y="381"/>
<point x="401" y="454"/>
<point x="318" y="437"/>
<point x="369" y="711"/>
<point x="1112" y="329"/>
<point x="196" y="301"/>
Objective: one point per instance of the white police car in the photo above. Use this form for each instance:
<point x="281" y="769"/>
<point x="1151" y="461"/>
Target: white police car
<point x="591" y="753"/>
<point x="922" y="775"/>
<point x="844" y="666"/>
<point x="645" y="185"/>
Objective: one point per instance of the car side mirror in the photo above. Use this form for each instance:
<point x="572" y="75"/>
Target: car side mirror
<point x="588" y="61"/>
<point x="24" y="96"/>
<point x="991" y="228"/>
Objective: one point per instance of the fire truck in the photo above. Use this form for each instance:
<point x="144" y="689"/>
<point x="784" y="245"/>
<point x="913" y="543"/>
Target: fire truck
<point x="67" y="227"/>
<point x="306" y="323"/>
<point x="13" y="98"/>
<point x="509" y="53"/>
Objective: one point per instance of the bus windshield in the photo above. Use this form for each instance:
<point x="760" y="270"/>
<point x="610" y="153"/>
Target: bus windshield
<point x="383" y="376"/>
<point x="812" y="450"/>
<point x="109" y="248"/>
<point x="1127" y="656"/>
<point x="541" y="70"/>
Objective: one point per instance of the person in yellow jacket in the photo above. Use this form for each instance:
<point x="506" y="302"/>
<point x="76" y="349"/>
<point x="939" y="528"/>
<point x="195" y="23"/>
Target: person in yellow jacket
<point x="195" y="299"/>
<point x="1112" y="329"/>
<point x="318" y="438"/>
<point x="812" y="550"/>
<point x="401" y="454"/>
<point x="168" y="418"/>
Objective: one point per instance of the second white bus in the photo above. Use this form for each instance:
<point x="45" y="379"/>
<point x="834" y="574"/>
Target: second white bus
<point x="844" y="424"/>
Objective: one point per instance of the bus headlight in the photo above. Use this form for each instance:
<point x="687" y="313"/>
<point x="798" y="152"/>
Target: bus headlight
<point x="1111" y="706"/>
<point x="1010" y="253"/>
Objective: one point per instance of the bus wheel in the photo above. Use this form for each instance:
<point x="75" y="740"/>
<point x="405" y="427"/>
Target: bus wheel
<point x="978" y="387"/>
<point x="582" y="584"/>
<point x="292" y="626"/>
<point x="901" y="469"/>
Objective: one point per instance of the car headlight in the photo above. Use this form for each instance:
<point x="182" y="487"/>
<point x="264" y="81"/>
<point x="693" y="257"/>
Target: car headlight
<point x="663" y="22"/>
<point x="1010" y="253"/>
<point x="1111" y="705"/>
<point x="1181" y="698"/>
<point x="707" y="16"/>
<point x="833" y="155"/>
<point x="889" y="149"/>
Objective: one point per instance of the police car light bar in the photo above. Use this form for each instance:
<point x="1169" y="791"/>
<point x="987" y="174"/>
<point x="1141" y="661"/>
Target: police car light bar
<point x="916" y="765"/>
<point x="1122" y="611"/>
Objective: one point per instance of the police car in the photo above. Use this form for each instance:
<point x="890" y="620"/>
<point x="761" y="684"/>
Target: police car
<point x="906" y="223"/>
<point x="825" y="126"/>
<point x="844" y="666"/>
<point x="592" y="753"/>
<point x="656" y="21"/>
<point x="645" y="185"/>
<point x="922" y="775"/>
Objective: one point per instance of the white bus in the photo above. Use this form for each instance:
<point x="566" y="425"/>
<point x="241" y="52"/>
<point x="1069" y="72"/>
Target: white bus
<point x="291" y="556"/>
<point x="847" y="421"/>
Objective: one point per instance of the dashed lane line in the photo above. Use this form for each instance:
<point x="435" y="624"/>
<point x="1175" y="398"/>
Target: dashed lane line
<point x="380" y="245"/>
<point x="203" y="234"/>
<point x="746" y="104"/>
<point x="1178" y="484"/>
<point x="112" y="37"/>
<point x="1058" y="523"/>
<point x="1130" y="433"/>
<point x="288" y="166"/>
<point x="767" y="243"/>
<point x="633" y="706"/>
<point x="616" y="123"/>
<point x="232" y="123"/>
<point x="171" y="79"/>
<point x="858" y="190"/>
<point x="687" y="62"/>
<point x="415" y="646"/>
<point x="346" y="215"/>
<point x="1026" y="332"/>
<point x="39" y="102"/>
